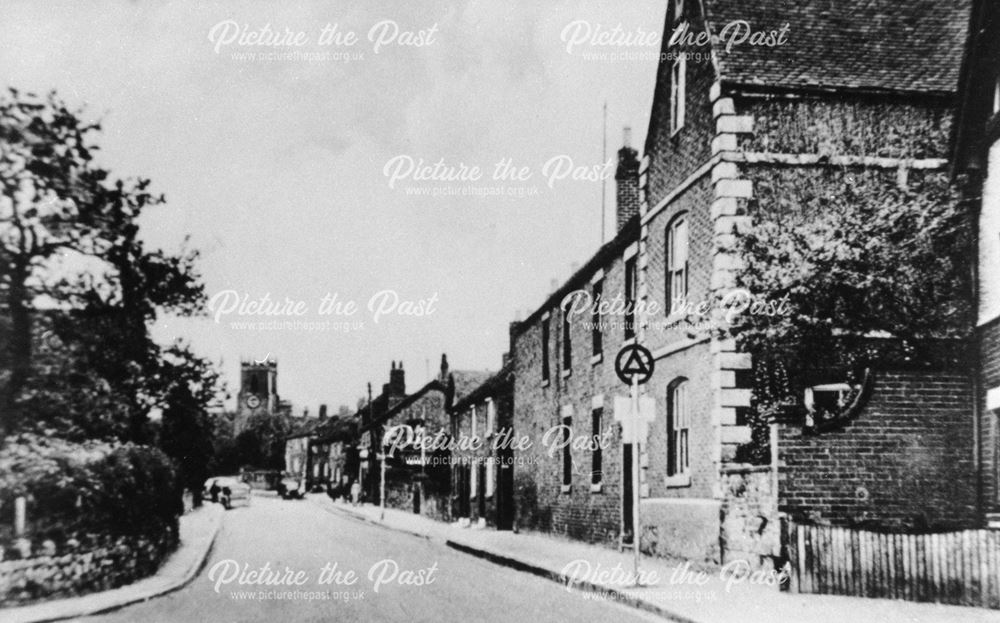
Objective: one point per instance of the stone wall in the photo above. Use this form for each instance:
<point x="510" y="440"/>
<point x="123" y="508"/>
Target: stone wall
<point x="750" y="527"/>
<point x="76" y="571"/>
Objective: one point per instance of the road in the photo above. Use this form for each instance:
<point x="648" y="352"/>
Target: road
<point x="417" y="579"/>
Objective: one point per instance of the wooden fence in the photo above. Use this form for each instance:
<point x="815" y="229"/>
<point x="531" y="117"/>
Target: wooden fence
<point x="960" y="568"/>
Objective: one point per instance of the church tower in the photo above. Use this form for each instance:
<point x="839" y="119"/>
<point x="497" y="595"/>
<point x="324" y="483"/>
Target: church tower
<point x="258" y="391"/>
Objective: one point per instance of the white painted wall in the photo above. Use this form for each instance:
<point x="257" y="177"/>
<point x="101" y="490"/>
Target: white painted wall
<point x="989" y="241"/>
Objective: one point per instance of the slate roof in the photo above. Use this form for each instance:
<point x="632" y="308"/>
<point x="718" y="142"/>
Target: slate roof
<point x="878" y="45"/>
<point x="487" y="388"/>
<point x="467" y="381"/>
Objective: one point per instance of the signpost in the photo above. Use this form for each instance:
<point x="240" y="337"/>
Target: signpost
<point x="634" y="367"/>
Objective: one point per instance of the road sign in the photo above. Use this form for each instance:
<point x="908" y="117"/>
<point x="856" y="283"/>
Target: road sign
<point x="634" y="363"/>
<point x="253" y="401"/>
<point x="635" y="429"/>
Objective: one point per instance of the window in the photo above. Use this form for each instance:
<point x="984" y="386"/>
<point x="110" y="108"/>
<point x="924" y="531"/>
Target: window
<point x="631" y="286"/>
<point x="491" y="418"/>
<point x="472" y="419"/>
<point x="825" y="400"/>
<point x="677" y="263"/>
<point x="596" y="337"/>
<point x="596" y="417"/>
<point x="677" y="79"/>
<point x="678" y="424"/>
<point x="545" y="349"/>
<point x="678" y="10"/>
<point x="567" y="457"/>
<point x="567" y="345"/>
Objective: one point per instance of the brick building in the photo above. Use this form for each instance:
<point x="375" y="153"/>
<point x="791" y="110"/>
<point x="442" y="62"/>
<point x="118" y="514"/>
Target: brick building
<point x="564" y="385"/>
<point x="482" y="481"/>
<point x="977" y="164"/>
<point x="747" y="135"/>
<point x="741" y="136"/>
<point x="416" y="479"/>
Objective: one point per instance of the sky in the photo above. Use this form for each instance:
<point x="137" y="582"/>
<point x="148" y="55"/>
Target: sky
<point x="305" y="167"/>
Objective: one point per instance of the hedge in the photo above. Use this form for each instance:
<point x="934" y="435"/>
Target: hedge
<point x="87" y="491"/>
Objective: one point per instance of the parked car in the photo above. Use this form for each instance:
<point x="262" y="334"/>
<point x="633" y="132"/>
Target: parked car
<point x="228" y="491"/>
<point x="291" y="487"/>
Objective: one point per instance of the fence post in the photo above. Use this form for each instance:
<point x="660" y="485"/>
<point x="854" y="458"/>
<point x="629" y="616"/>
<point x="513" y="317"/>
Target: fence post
<point x="20" y="516"/>
<point x="785" y="551"/>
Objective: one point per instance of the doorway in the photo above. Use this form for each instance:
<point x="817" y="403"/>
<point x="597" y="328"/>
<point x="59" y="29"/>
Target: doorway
<point x="627" y="522"/>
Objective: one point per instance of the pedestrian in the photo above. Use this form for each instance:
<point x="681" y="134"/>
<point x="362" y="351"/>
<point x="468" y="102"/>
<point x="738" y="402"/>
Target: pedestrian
<point x="355" y="493"/>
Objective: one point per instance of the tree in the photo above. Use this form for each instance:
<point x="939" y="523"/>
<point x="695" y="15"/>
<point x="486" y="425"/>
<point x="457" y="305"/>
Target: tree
<point x="262" y="443"/>
<point x="45" y="210"/>
<point x="874" y="273"/>
<point x="186" y="429"/>
<point x="69" y="241"/>
<point x="867" y="258"/>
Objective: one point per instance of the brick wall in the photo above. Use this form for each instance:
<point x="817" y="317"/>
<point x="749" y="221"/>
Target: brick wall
<point x="989" y="357"/>
<point x="675" y="156"/>
<point x="906" y="461"/>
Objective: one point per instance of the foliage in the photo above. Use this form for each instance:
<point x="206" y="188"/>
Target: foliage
<point x="262" y="443"/>
<point x="70" y="243"/>
<point x="857" y="255"/>
<point x="771" y="394"/>
<point x="80" y="490"/>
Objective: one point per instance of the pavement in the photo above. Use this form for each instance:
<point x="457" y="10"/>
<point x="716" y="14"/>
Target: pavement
<point x="674" y="591"/>
<point x="198" y="530"/>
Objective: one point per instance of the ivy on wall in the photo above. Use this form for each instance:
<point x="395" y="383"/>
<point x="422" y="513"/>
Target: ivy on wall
<point x="875" y="266"/>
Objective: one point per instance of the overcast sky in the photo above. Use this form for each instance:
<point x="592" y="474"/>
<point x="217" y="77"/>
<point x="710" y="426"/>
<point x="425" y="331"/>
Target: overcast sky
<point x="277" y="168"/>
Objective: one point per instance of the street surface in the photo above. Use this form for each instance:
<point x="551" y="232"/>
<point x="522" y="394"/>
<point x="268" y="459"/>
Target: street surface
<point x="417" y="579"/>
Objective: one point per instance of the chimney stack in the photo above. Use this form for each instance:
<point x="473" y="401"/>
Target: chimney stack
<point x="626" y="181"/>
<point x="322" y="412"/>
<point x="397" y="380"/>
<point x="444" y="367"/>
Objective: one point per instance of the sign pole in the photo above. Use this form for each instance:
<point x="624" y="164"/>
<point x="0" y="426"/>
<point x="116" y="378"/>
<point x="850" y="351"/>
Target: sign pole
<point x="634" y="366"/>
<point x="635" y="477"/>
<point x="381" y="486"/>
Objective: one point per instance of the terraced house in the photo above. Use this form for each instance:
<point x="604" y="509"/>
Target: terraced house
<point x="564" y="383"/>
<point x="850" y="113"/>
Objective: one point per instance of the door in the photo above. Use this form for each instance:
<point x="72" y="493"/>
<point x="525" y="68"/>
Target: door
<point x="505" y="490"/>
<point x="627" y="494"/>
<point x="464" y="491"/>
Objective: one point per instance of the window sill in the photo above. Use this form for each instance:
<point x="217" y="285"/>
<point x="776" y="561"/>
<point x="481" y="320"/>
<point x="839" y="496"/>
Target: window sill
<point x="567" y="373"/>
<point x="596" y="359"/>
<point x="597" y="487"/>
<point x="676" y="131"/>
<point x="678" y="480"/>
<point x="629" y="341"/>
<point x="565" y="488"/>
<point x="545" y="382"/>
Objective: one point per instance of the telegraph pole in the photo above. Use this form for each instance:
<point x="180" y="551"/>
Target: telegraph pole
<point x="604" y="182"/>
